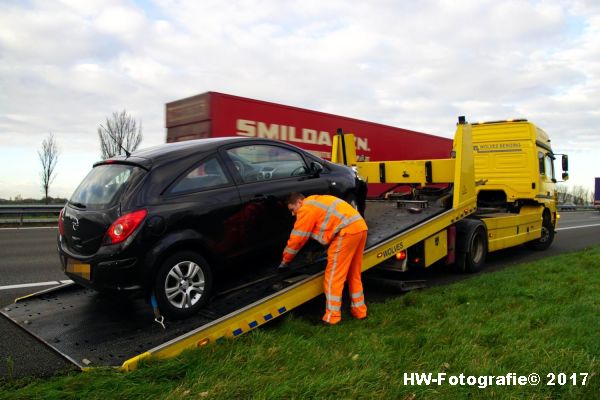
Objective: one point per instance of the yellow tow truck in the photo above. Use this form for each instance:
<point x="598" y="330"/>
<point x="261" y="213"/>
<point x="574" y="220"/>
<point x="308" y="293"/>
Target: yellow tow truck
<point x="508" y="188"/>
<point x="496" y="190"/>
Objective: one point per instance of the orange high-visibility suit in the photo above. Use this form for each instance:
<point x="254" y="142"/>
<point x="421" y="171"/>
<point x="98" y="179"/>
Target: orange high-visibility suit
<point x="332" y="221"/>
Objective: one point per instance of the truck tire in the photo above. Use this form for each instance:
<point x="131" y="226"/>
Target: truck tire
<point x="183" y="284"/>
<point x="471" y="245"/>
<point x="546" y="239"/>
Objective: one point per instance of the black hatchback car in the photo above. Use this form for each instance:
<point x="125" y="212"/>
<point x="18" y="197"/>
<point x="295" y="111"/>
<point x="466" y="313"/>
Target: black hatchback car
<point x="163" y="220"/>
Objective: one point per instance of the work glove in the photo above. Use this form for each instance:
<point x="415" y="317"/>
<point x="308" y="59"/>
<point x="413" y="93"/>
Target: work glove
<point x="283" y="267"/>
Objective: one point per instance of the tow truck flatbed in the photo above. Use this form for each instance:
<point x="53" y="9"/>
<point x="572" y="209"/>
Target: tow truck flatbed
<point x="91" y="329"/>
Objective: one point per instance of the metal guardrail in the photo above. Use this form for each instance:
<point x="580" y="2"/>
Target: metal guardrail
<point x="15" y="214"/>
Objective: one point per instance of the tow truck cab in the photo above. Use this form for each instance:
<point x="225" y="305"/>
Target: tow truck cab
<point x="515" y="172"/>
<point x="514" y="163"/>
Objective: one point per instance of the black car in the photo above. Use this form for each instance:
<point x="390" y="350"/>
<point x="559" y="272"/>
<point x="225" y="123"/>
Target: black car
<point x="163" y="220"/>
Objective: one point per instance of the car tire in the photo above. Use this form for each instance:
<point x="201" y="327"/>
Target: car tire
<point x="183" y="284"/>
<point x="546" y="239"/>
<point x="471" y="245"/>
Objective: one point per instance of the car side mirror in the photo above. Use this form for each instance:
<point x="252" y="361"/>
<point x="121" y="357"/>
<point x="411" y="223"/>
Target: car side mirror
<point x="316" y="168"/>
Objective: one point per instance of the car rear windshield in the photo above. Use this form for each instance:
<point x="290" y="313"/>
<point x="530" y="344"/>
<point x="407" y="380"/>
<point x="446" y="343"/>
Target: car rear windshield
<point x="104" y="185"/>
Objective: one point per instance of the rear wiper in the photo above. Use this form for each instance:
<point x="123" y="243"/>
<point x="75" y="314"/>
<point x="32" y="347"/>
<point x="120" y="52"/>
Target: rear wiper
<point x="78" y="205"/>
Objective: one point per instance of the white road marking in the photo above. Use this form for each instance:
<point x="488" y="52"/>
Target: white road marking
<point x="577" y="227"/>
<point x="34" y="284"/>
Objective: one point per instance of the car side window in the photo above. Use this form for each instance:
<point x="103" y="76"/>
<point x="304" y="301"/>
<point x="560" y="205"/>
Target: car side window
<point x="265" y="162"/>
<point x="208" y="174"/>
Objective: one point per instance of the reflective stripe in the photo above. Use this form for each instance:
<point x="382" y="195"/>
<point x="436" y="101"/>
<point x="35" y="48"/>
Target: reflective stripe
<point x="290" y="250"/>
<point x="333" y="298"/>
<point x="330" y="211"/>
<point x="318" y="204"/>
<point x="351" y="220"/>
<point x="360" y="303"/>
<point x="333" y="308"/>
<point x="300" y="233"/>
<point x="334" y="265"/>
<point x="318" y="239"/>
<point x="335" y="212"/>
<point x="357" y="295"/>
<point x="345" y="222"/>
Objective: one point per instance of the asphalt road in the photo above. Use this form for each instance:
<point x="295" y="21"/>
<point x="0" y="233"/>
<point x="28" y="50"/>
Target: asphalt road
<point x="28" y="257"/>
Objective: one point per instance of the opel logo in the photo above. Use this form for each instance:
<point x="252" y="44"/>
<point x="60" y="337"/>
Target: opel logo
<point x="75" y="224"/>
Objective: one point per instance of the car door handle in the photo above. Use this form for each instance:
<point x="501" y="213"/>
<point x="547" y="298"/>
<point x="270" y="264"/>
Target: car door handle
<point x="267" y="199"/>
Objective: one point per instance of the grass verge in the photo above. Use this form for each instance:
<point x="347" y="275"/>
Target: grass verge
<point x="542" y="318"/>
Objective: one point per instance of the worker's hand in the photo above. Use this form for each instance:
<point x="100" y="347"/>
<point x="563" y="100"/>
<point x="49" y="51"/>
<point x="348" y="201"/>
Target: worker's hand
<point x="283" y="267"/>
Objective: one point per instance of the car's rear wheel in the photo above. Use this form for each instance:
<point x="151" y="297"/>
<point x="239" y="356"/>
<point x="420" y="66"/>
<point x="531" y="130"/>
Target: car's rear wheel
<point x="183" y="285"/>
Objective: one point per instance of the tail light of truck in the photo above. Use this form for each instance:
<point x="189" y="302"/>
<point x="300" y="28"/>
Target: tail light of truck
<point x="61" y="228"/>
<point x="123" y="227"/>
<point x="401" y="256"/>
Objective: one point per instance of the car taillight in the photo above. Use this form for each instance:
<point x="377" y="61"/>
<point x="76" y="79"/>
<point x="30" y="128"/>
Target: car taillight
<point x="61" y="228"/>
<point x="123" y="227"/>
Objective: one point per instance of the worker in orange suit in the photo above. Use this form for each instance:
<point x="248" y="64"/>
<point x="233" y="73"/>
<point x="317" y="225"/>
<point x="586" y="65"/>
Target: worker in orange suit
<point x="331" y="221"/>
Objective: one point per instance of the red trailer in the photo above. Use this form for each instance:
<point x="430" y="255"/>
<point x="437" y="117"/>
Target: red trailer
<point x="215" y="114"/>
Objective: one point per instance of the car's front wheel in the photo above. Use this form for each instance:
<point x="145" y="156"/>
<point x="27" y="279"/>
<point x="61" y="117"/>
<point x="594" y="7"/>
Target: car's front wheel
<point x="182" y="285"/>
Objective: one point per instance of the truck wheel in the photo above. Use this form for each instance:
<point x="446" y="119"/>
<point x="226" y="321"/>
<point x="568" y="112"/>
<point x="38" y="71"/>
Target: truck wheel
<point x="471" y="245"/>
<point x="545" y="240"/>
<point x="183" y="285"/>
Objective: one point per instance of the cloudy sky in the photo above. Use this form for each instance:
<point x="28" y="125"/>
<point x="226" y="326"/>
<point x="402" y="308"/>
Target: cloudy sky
<point x="66" y="65"/>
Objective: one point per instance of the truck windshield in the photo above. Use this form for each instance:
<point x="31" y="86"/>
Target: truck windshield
<point x="104" y="185"/>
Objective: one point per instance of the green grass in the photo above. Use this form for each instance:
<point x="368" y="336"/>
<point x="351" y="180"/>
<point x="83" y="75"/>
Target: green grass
<point x="542" y="317"/>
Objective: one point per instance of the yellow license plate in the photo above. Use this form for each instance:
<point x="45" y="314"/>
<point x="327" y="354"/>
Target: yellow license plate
<point x="77" y="268"/>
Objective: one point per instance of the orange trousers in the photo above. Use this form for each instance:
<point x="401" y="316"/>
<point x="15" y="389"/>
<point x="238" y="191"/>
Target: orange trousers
<point x="344" y="262"/>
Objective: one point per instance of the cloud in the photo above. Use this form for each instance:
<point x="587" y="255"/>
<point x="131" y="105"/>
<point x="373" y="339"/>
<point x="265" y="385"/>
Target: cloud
<point x="66" y="65"/>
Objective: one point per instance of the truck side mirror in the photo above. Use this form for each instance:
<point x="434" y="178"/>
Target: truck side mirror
<point x="565" y="163"/>
<point x="316" y="168"/>
<point x="565" y="176"/>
